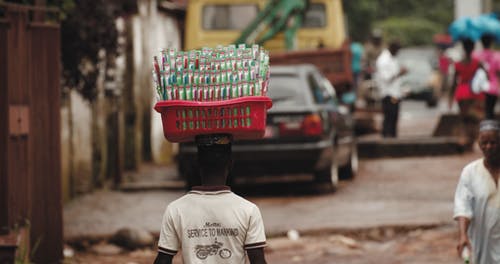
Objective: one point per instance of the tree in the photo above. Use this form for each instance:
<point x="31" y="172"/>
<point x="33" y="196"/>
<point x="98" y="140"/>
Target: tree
<point x="87" y="28"/>
<point x="399" y="16"/>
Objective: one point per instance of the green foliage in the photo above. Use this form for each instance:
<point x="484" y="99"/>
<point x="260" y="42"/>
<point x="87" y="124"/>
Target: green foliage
<point x="360" y="16"/>
<point x="409" y="30"/>
<point x="398" y="17"/>
<point x="89" y="27"/>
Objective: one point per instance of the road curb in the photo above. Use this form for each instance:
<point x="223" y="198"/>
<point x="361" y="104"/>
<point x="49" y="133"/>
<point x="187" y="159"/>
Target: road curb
<point x="379" y="232"/>
<point x="363" y="232"/>
<point x="152" y="186"/>
<point x="408" y="147"/>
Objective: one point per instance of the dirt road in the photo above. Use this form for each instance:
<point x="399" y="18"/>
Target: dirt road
<point x="416" y="246"/>
<point x="379" y="216"/>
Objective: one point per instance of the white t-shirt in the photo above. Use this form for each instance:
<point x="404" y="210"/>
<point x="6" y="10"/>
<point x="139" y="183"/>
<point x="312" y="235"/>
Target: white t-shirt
<point x="387" y="67"/>
<point x="478" y="199"/>
<point x="211" y="225"/>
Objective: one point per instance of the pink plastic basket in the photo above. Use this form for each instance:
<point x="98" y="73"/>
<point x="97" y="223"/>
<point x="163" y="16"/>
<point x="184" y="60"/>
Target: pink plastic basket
<point x="244" y="118"/>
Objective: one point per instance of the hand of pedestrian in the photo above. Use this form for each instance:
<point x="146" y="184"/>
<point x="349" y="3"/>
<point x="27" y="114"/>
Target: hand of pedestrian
<point x="403" y="71"/>
<point x="463" y="241"/>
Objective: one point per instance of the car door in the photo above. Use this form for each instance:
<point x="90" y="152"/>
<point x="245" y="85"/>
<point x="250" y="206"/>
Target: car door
<point x="341" y="120"/>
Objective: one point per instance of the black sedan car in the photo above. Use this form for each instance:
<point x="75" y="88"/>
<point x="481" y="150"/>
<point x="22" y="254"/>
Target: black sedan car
<point x="308" y="133"/>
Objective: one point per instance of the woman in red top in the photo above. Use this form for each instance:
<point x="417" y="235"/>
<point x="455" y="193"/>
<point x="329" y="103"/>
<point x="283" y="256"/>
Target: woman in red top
<point x="471" y="105"/>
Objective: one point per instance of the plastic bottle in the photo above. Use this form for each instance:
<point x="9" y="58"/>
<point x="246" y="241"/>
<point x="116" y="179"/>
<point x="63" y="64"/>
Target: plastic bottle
<point x="466" y="255"/>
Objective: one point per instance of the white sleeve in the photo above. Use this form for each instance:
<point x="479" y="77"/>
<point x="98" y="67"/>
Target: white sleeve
<point x="384" y="71"/>
<point x="463" y="197"/>
<point x="169" y="242"/>
<point x="256" y="236"/>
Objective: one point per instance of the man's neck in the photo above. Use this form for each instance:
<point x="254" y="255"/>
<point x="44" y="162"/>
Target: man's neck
<point x="492" y="164"/>
<point x="213" y="180"/>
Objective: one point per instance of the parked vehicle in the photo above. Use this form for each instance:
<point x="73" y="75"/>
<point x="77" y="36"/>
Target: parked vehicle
<point x="320" y="40"/>
<point x="422" y="81"/>
<point x="308" y="132"/>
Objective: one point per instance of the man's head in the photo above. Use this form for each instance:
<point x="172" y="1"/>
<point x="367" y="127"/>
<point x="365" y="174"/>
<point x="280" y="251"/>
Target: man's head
<point x="214" y="157"/>
<point x="489" y="140"/>
<point x="376" y="37"/>
<point x="394" y="47"/>
<point x="468" y="46"/>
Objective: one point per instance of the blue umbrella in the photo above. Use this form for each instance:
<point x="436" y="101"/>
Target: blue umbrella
<point x="464" y="27"/>
<point x="487" y="24"/>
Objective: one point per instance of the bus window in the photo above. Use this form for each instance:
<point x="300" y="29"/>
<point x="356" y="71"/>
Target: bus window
<point x="228" y="17"/>
<point x="315" y="16"/>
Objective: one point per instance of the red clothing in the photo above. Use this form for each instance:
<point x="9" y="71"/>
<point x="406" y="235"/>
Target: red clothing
<point x="444" y="64"/>
<point x="465" y="73"/>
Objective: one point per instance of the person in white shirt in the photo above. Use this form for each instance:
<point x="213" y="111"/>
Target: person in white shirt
<point x="477" y="199"/>
<point x="210" y="223"/>
<point x="387" y="76"/>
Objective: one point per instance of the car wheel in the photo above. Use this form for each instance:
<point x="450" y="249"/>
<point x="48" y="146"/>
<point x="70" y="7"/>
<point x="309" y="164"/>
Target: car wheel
<point x="350" y="170"/>
<point x="329" y="176"/>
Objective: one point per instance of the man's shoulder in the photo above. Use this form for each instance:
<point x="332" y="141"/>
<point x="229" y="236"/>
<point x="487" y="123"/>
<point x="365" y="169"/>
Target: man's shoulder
<point x="228" y="197"/>
<point x="473" y="165"/>
<point x="242" y="201"/>
<point x="181" y="201"/>
<point x="385" y="56"/>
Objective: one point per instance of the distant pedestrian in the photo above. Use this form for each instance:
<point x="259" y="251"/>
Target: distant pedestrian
<point x="372" y="50"/>
<point x="469" y="103"/>
<point x="490" y="60"/>
<point x="210" y="223"/>
<point x="477" y="199"/>
<point x="444" y="62"/>
<point x="357" y="52"/>
<point x="387" y="75"/>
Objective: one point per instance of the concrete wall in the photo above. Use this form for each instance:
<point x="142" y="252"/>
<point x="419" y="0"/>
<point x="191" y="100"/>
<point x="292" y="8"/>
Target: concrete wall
<point x="472" y="8"/>
<point x="86" y="162"/>
<point x="153" y="31"/>
<point x="76" y="137"/>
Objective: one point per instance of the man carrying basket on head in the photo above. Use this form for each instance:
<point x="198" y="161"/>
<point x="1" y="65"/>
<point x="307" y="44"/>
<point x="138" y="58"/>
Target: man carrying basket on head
<point x="210" y="223"/>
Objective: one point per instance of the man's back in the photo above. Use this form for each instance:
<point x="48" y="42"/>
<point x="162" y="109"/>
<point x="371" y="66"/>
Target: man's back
<point x="212" y="225"/>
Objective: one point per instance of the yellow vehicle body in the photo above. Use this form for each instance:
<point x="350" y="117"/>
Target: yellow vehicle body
<point x="220" y="22"/>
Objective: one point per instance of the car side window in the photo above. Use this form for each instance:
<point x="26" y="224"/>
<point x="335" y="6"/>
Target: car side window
<point x="316" y="89"/>
<point x="330" y="90"/>
<point x="321" y="91"/>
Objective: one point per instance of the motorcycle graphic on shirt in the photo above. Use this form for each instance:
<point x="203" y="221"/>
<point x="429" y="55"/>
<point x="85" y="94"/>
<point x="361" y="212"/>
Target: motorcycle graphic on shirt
<point x="203" y="251"/>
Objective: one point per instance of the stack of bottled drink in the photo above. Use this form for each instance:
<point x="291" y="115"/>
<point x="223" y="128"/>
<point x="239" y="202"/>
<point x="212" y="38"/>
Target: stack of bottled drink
<point x="209" y="74"/>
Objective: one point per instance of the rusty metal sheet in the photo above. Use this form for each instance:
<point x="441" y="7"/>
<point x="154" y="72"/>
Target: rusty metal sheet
<point x="19" y="122"/>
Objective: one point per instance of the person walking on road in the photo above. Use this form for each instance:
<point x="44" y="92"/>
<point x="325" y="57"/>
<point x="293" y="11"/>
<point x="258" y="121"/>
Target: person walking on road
<point x="372" y="50"/>
<point x="490" y="60"/>
<point x="477" y="199"/>
<point x="357" y="52"/>
<point x="210" y="223"/>
<point x="469" y="103"/>
<point x="387" y="75"/>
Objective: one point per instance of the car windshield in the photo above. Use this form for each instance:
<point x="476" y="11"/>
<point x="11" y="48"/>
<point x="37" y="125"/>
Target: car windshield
<point x="417" y="67"/>
<point x="315" y="16"/>
<point x="285" y="89"/>
<point x="228" y="17"/>
<point x="419" y="71"/>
